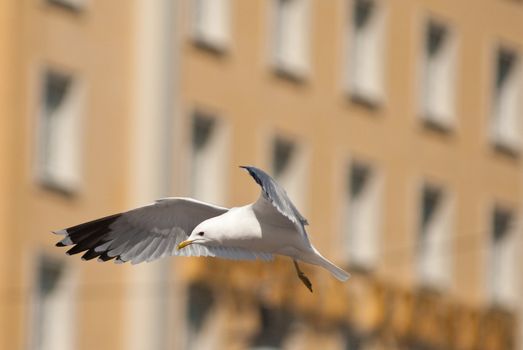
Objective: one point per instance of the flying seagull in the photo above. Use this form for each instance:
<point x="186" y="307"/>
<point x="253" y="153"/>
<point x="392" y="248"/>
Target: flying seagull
<point x="188" y="227"/>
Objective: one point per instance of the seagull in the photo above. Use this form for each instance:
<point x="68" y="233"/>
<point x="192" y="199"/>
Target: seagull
<point x="179" y="226"/>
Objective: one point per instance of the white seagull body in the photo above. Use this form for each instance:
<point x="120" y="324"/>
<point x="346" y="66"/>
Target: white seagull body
<point x="187" y="227"/>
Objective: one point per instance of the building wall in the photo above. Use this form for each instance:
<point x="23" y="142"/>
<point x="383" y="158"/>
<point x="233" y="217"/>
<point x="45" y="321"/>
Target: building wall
<point x="258" y="102"/>
<point x="94" y="44"/>
<point x="7" y="16"/>
<point x="255" y="102"/>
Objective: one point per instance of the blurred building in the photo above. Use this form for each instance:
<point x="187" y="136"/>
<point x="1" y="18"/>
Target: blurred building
<point x="395" y="126"/>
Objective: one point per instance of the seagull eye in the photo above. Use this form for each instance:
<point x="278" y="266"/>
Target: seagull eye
<point x="200" y="233"/>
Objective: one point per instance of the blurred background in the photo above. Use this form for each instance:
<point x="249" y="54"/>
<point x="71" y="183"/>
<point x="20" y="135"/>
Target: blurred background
<point x="394" y="125"/>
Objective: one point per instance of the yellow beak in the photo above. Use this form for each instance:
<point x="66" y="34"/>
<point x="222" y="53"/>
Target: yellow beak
<point x="184" y="244"/>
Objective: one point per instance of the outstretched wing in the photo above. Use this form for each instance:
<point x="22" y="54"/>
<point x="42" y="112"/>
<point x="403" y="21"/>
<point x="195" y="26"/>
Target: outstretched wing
<point x="278" y="199"/>
<point x="143" y="234"/>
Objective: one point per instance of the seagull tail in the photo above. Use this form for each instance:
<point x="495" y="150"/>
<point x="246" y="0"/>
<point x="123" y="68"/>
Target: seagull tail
<point x="336" y="271"/>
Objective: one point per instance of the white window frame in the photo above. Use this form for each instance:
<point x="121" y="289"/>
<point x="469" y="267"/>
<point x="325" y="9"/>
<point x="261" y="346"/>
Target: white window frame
<point x="366" y="51"/>
<point x="502" y="281"/>
<point x="362" y="226"/>
<point x="295" y="66"/>
<point x="438" y="76"/>
<point x="213" y="321"/>
<point x="211" y="24"/>
<point x="68" y="181"/>
<point x="63" y="304"/>
<point x="434" y="241"/>
<point x="507" y="108"/>
<point x="213" y="157"/>
<point x="294" y="177"/>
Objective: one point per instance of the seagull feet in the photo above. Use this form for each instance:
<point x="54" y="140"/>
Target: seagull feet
<point x="305" y="281"/>
<point x="302" y="276"/>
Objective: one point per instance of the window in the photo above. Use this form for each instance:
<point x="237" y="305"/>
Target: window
<point x="58" y="156"/>
<point x="54" y="306"/>
<point x="275" y="328"/>
<point x="289" y="169"/>
<point x="438" y="72"/>
<point x="502" y="279"/>
<point x="212" y="23"/>
<point x="363" y="216"/>
<point x="208" y="158"/>
<point x="366" y="51"/>
<point x="506" y="123"/>
<point x="204" y="318"/>
<point x="72" y="4"/>
<point x="355" y="339"/>
<point x="291" y="42"/>
<point x="434" y="247"/>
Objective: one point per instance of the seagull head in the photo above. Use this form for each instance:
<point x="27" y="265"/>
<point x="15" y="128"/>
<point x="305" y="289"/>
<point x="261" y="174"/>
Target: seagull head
<point x="203" y="234"/>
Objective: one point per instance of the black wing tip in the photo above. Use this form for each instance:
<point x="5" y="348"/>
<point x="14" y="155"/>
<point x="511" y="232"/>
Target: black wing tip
<point x="119" y="260"/>
<point x="87" y="236"/>
<point x="76" y="249"/>
<point x="105" y="257"/>
<point x="91" y="254"/>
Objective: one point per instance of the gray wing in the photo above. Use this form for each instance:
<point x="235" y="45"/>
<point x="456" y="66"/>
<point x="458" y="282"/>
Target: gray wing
<point x="146" y="233"/>
<point x="274" y="194"/>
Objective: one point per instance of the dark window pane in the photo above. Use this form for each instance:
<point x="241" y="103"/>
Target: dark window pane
<point x="282" y="154"/>
<point x="201" y="300"/>
<point x="56" y="87"/>
<point x="505" y="65"/>
<point x="435" y="38"/>
<point x="201" y="131"/>
<point x="431" y="198"/>
<point x="48" y="276"/>
<point x="362" y="12"/>
<point x="359" y="177"/>
<point x="501" y="221"/>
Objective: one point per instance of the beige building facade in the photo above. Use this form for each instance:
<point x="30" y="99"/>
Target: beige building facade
<point x="395" y="126"/>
